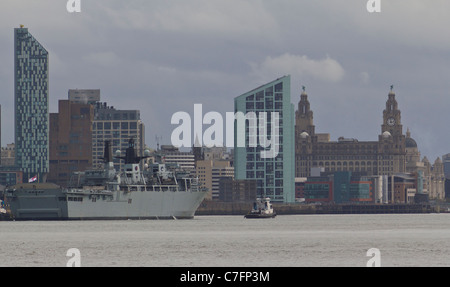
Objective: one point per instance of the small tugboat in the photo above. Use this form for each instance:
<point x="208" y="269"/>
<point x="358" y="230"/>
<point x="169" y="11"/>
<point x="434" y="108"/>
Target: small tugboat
<point x="262" y="208"/>
<point x="2" y="210"/>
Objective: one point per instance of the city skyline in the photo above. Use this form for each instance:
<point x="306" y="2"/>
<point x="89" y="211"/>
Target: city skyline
<point x="182" y="54"/>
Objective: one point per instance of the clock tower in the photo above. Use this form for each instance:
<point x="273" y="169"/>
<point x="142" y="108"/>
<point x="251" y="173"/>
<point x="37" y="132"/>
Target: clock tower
<point x="304" y="116"/>
<point x="392" y="117"/>
<point x="392" y="142"/>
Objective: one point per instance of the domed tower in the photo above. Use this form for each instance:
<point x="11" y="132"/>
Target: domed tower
<point x="304" y="116"/>
<point x="392" y="142"/>
<point x="412" y="152"/>
<point x="426" y="175"/>
<point x="437" y="180"/>
<point x="413" y="162"/>
<point x="304" y="135"/>
<point x="392" y="117"/>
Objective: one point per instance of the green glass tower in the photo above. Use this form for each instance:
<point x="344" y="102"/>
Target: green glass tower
<point x="31" y="94"/>
<point x="274" y="173"/>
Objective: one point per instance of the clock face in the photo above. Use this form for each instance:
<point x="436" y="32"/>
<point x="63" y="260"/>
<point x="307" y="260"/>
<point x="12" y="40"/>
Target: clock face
<point x="391" y="121"/>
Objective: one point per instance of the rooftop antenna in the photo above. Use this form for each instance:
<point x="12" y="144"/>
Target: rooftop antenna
<point x="158" y="139"/>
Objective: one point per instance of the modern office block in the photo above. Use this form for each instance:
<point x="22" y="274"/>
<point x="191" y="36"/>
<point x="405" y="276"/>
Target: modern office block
<point x="70" y="140"/>
<point x="31" y="100"/>
<point x="170" y="154"/>
<point x="318" y="189"/>
<point x="231" y="190"/>
<point x="84" y="96"/>
<point x="264" y="150"/>
<point x="10" y="175"/>
<point x="209" y="173"/>
<point x="116" y="126"/>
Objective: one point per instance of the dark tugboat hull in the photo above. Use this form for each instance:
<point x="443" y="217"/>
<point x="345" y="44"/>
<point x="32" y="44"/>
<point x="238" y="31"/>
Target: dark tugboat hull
<point x="258" y="215"/>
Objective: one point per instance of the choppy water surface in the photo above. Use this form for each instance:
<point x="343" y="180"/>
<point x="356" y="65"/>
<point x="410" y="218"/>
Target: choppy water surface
<point x="291" y="240"/>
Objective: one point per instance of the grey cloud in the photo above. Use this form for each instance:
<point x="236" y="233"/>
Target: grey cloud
<point x="301" y="67"/>
<point x="163" y="56"/>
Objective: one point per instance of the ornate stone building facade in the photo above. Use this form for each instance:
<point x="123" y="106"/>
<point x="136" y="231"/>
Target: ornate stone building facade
<point x="391" y="154"/>
<point x="434" y="178"/>
<point x="382" y="157"/>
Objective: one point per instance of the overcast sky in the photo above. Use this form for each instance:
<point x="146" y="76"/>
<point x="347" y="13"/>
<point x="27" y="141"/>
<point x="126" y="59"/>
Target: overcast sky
<point x="163" y="56"/>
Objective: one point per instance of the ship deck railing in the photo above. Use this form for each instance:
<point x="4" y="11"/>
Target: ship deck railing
<point x="88" y="192"/>
<point x="156" y="188"/>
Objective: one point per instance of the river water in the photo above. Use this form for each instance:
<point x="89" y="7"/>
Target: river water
<point x="232" y="241"/>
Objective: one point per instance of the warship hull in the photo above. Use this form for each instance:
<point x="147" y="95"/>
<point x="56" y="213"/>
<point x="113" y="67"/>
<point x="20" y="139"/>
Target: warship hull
<point x="136" y="205"/>
<point x="47" y="203"/>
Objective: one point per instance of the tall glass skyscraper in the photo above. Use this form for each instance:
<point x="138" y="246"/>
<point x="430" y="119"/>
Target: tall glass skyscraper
<point x="264" y="151"/>
<point x="31" y="94"/>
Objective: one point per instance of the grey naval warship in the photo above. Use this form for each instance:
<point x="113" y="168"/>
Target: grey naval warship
<point x="159" y="191"/>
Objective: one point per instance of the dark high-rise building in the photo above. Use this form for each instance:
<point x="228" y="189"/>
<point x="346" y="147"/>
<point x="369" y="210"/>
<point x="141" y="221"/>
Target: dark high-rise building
<point x="197" y="150"/>
<point x="446" y="162"/>
<point x="31" y="101"/>
<point x="70" y="140"/>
